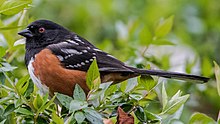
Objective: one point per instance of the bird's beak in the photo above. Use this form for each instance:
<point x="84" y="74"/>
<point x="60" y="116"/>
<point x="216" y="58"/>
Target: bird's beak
<point x="26" y="33"/>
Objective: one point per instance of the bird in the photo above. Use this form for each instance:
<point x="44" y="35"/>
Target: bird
<point x="58" y="59"/>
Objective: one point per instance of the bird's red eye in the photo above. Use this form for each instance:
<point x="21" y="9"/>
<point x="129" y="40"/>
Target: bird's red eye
<point x="41" y="30"/>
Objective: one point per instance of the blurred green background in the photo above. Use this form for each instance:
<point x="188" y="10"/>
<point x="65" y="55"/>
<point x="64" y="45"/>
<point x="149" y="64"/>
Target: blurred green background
<point x="117" y="27"/>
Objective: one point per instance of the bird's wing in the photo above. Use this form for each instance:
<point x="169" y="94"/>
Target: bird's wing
<point x="77" y="53"/>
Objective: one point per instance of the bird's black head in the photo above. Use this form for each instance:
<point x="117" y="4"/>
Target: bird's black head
<point x="42" y="33"/>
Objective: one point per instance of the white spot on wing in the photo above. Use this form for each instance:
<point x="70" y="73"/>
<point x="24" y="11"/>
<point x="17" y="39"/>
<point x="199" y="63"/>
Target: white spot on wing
<point x="43" y="88"/>
<point x="77" y="39"/>
<point x="60" y="58"/>
<point x="110" y="56"/>
<point x="71" y="66"/>
<point x="72" y="41"/>
<point x="64" y="43"/>
<point x="97" y="49"/>
<point x="72" y="51"/>
<point x="82" y="63"/>
<point x="85" y="51"/>
<point x="68" y="56"/>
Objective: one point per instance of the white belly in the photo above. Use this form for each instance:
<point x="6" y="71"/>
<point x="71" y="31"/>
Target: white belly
<point x="43" y="88"/>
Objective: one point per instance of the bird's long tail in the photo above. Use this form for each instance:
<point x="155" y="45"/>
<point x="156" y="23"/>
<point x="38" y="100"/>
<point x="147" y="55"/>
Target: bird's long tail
<point x="173" y="75"/>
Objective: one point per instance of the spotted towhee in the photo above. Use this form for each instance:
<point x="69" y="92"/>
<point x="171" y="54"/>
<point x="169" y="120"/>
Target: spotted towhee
<point x="57" y="59"/>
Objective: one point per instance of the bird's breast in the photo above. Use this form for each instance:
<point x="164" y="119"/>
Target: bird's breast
<point x="48" y="74"/>
<point x="35" y="78"/>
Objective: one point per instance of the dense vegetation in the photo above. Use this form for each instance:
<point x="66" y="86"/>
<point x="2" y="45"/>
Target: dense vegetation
<point x="169" y="35"/>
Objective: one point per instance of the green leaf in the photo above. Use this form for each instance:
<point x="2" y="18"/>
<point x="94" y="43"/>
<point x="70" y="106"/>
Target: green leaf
<point x="127" y="107"/>
<point x="24" y="111"/>
<point x="45" y="98"/>
<point x="147" y="82"/>
<point x="11" y="7"/>
<point x="99" y="93"/>
<point x="175" y="97"/>
<point x="38" y="102"/>
<point x="56" y="119"/>
<point x="10" y="28"/>
<point x="105" y="87"/>
<point x="199" y="118"/>
<point x="132" y="82"/>
<point x="93" y="116"/>
<point x="116" y="97"/>
<point x="18" y="102"/>
<point x="96" y="83"/>
<point x="218" y="117"/>
<point x="70" y="120"/>
<point x="77" y="105"/>
<point x="207" y="67"/>
<point x="42" y="108"/>
<point x="110" y="90"/>
<point x="3" y="51"/>
<point x="128" y="85"/>
<point x="78" y="93"/>
<point x="95" y="94"/>
<point x="162" y="42"/>
<point x="9" y="109"/>
<point x="217" y="76"/>
<point x="190" y="64"/>
<point x="164" y="27"/>
<point x="175" y="103"/>
<point x="5" y="99"/>
<point x="98" y="96"/>
<point x="3" y="121"/>
<point x="145" y="36"/>
<point x="6" y="76"/>
<point x="30" y="89"/>
<point x="93" y="76"/>
<point x="64" y="99"/>
<point x="1" y="2"/>
<point x="1" y="110"/>
<point x="4" y="91"/>
<point x="152" y="118"/>
<point x="164" y="96"/>
<point x="136" y="96"/>
<point x="140" y="114"/>
<point x="123" y="85"/>
<point x="6" y="67"/>
<point x="22" y="84"/>
<point x="79" y="116"/>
